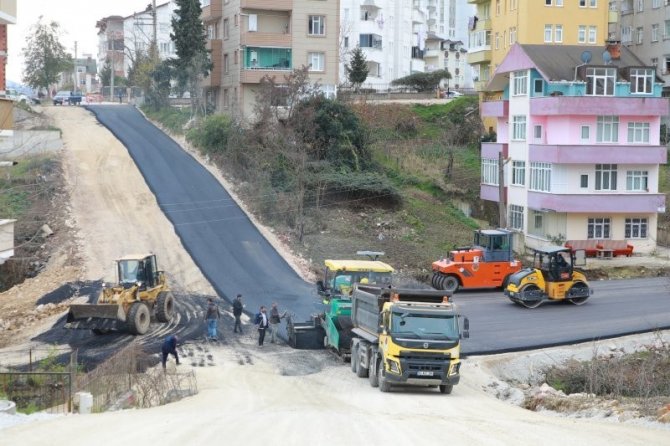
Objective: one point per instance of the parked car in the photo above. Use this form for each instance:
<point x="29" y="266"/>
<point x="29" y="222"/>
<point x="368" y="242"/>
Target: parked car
<point x="67" y="97"/>
<point x="452" y="94"/>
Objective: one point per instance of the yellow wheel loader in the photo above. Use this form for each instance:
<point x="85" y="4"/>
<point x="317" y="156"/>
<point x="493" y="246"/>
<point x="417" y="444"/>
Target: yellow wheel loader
<point x="140" y="294"/>
<point x="552" y="277"/>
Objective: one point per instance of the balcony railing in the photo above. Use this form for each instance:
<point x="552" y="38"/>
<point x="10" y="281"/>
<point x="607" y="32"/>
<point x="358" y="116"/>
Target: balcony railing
<point x="630" y="203"/>
<point x="595" y="153"/>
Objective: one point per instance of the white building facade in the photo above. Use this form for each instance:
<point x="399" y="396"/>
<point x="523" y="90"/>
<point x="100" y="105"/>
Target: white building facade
<point x="393" y="33"/>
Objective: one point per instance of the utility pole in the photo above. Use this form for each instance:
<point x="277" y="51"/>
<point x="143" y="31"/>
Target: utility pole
<point x="502" y="202"/>
<point x="75" y="80"/>
<point x="111" y="60"/>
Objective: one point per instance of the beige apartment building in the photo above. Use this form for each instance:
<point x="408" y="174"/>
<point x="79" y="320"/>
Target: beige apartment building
<point x="250" y="39"/>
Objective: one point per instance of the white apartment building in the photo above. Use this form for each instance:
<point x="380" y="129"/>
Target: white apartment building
<point x="393" y="33"/>
<point x="138" y="32"/>
<point x="121" y="38"/>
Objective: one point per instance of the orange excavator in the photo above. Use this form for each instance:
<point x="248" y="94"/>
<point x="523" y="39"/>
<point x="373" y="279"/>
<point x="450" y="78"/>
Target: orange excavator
<point x="487" y="264"/>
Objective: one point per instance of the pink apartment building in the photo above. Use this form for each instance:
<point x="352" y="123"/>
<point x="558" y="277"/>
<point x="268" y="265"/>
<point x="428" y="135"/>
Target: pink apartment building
<point x="579" y="132"/>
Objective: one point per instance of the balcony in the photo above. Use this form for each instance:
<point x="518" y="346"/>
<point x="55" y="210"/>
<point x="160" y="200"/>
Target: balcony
<point x="492" y="149"/>
<point x="274" y="5"/>
<point x="257" y="62"/>
<point x="370" y="41"/>
<point x="417" y="53"/>
<point x="597" y="105"/>
<point x="213" y="11"/>
<point x="265" y="39"/>
<point x="479" y="56"/>
<point x="630" y="203"/>
<point x="593" y="154"/>
<point x="613" y="17"/>
<point x="418" y="16"/>
<point x="214" y="78"/>
<point x="494" y="109"/>
<point x="481" y="85"/>
<point x="484" y="25"/>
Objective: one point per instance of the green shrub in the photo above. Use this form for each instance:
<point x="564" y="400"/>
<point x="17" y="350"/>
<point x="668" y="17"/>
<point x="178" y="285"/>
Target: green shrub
<point x="212" y="134"/>
<point x="173" y="119"/>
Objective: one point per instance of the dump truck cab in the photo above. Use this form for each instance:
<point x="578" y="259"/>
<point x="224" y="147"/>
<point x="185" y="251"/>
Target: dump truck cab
<point x="552" y="277"/>
<point x="488" y="263"/>
<point x="406" y="337"/>
<point x="339" y="278"/>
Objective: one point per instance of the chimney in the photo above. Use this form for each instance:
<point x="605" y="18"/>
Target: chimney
<point x="614" y="48"/>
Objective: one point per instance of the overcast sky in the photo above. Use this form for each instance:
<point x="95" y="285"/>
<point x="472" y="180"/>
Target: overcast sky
<point x="77" y="19"/>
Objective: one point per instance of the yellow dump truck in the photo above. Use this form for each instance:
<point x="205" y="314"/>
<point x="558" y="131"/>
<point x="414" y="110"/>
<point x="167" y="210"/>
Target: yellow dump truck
<point x="406" y="337"/>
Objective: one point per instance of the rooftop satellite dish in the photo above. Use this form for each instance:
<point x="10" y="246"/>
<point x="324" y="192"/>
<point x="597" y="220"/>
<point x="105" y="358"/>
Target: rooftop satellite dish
<point x="607" y="57"/>
<point x="586" y="57"/>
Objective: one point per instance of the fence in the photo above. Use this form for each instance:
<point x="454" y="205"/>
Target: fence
<point x="49" y="389"/>
<point x="126" y="379"/>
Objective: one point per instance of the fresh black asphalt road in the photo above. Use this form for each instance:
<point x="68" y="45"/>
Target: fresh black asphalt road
<point x="236" y="258"/>
<point x="229" y="250"/>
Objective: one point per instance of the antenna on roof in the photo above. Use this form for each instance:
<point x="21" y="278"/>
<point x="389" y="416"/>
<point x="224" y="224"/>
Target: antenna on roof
<point x="607" y="57"/>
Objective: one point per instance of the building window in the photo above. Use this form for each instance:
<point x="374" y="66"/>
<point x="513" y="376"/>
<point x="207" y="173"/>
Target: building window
<point x="641" y="80"/>
<point x="490" y="171"/>
<point x="584" y="181"/>
<point x="666" y="63"/>
<point x="640" y="5"/>
<point x="317" y="25"/>
<point x="626" y="34"/>
<point x="316" y="61"/>
<point x="547" y="2"/>
<point x="236" y="19"/>
<point x="558" y="33"/>
<point x="654" y="33"/>
<point x="637" y="180"/>
<point x="559" y="2"/>
<point x="516" y="217"/>
<point x="540" y="177"/>
<point x="497" y="7"/>
<point x="512" y="35"/>
<point x="606" y="176"/>
<point x="598" y="228"/>
<point x="638" y="132"/>
<point x="593" y="3"/>
<point x="581" y="34"/>
<point x="226" y="64"/>
<point x="547" y="33"/>
<point x="538" y="220"/>
<point x="537" y="132"/>
<point x="538" y="86"/>
<point x="655" y="3"/>
<point x="600" y="81"/>
<point x="497" y="40"/>
<point x="582" y="3"/>
<point x="592" y="34"/>
<point x="639" y="35"/>
<point x="519" y="128"/>
<point x="520" y="83"/>
<point x="236" y="57"/>
<point x="226" y="29"/>
<point x="586" y="133"/>
<point x="519" y="173"/>
<point x="226" y="98"/>
<point x="635" y="228"/>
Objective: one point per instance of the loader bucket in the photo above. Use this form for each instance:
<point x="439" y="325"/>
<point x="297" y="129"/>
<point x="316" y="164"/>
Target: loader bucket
<point x="81" y="312"/>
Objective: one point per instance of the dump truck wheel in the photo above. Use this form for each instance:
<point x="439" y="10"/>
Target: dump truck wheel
<point x="384" y="385"/>
<point x="450" y="284"/>
<point x="361" y="371"/>
<point x="139" y="318"/>
<point x="446" y="388"/>
<point x="164" y="306"/>
<point x="373" y="376"/>
<point x="435" y="281"/>
<point x="530" y="303"/>
<point x="579" y="300"/>
<point x="354" y="358"/>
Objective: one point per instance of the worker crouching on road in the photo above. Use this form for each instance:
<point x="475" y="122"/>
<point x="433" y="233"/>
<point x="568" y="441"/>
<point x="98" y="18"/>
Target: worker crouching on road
<point x="275" y="319"/>
<point x="169" y="347"/>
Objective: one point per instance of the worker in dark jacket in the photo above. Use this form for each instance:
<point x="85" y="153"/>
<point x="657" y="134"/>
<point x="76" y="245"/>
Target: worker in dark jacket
<point x="212" y="316"/>
<point x="237" y="312"/>
<point x="170" y="348"/>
